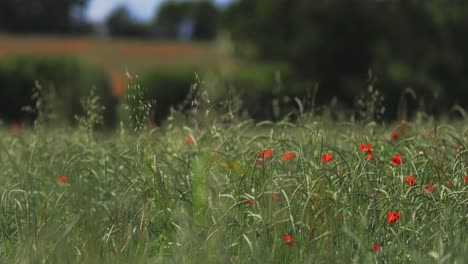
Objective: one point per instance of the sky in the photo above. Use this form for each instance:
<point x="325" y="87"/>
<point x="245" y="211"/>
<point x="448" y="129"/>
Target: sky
<point x="142" y="10"/>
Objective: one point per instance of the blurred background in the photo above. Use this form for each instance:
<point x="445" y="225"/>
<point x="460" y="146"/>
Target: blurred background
<point x="273" y="56"/>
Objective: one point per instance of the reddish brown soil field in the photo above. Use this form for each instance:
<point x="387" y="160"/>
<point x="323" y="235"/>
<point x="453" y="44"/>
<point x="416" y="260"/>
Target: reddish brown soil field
<point x="117" y="56"/>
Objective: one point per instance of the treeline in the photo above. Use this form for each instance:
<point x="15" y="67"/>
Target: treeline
<point x="416" y="44"/>
<point x="44" y="16"/>
<point x="405" y="48"/>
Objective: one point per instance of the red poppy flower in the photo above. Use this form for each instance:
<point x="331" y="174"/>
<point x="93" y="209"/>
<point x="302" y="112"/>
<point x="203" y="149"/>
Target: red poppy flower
<point x="448" y="184"/>
<point x="250" y="202"/>
<point x="231" y="165"/>
<point x="62" y="180"/>
<point x="365" y="147"/>
<point x="392" y="217"/>
<point x="409" y="180"/>
<point x="262" y="155"/>
<point x="266" y="153"/>
<point x="396" y="159"/>
<point x="288" y="240"/>
<point x="394" y="135"/>
<point x="326" y="157"/>
<point x="429" y="187"/>
<point x="288" y="155"/>
<point x="16" y="127"/>
<point x="375" y="247"/>
<point x="465" y="179"/>
<point x="189" y="140"/>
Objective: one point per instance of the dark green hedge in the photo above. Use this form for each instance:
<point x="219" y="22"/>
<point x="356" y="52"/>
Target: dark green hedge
<point x="69" y="77"/>
<point x="256" y="85"/>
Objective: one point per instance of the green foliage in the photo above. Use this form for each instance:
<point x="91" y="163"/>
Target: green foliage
<point x="256" y="86"/>
<point x="414" y="44"/>
<point x="66" y="79"/>
<point x="121" y="23"/>
<point x="202" y="16"/>
<point x="42" y="16"/>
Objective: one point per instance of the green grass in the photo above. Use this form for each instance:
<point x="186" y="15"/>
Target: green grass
<point x="152" y="197"/>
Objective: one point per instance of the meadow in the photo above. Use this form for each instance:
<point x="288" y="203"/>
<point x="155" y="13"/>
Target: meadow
<point x="211" y="187"/>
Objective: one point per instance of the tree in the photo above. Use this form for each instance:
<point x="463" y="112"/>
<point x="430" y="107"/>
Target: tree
<point x="121" y="23"/>
<point x="39" y="16"/>
<point x="173" y="15"/>
<point x="414" y="43"/>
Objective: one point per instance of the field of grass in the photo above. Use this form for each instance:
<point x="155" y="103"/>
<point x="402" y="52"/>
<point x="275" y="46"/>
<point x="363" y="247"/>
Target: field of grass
<point x="212" y="191"/>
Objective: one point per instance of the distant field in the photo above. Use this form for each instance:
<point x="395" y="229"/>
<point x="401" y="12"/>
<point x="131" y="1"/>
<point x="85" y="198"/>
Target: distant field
<point x="116" y="55"/>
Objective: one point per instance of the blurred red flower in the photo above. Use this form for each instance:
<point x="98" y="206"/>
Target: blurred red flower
<point x="326" y="157"/>
<point x="396" y="159"/>
<point x="231" y="165"/>
<point x="465" y="179"/>
<point x="392" y="217"/>
<point x="189" y="140"/>
<point x="266" y="153"/>
<point x="288" y="155"/>
<point x="409" y="180"/>
<point x="375" y="247"/>
<point x="448" y="184"/>
<point x="288" y="240"/>
<point x="429" y="187"/>
<point x="62" y="180"/>
<point x="276" y="197"/>
<point x="262" y="155"/>
<point x="367" y="148"/>
<point x="16" y="127"/>
<point x="394" y="135"/>
<point x="250" y="202"/>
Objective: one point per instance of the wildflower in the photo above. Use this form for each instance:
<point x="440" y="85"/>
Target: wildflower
<point x="288" y="240"/>
<point x="62" y="180"/>
<point x="16" y="127"/>
<point x="396" y="159"/>
<point x="394" y="135"/>
<point x="340" y="217"/>
<point x="262" y="155"/>
<point x="250" y="202"/>
<point x="326" y="157"/>
<point x="231" y="165"/>
<point x="340" y="170"/>
<point x="448" y="184"/>
<point x="189" y="140"/>
<point x="276" y="197"/>
<point x="409" y="180"/>
<point x="429" y="187"/>
<point x="392" y="217"/>
<point x="288" y="155"/>
<point x="265" y="153"/>
<point x="367" y="148"/>
<point x="465" y="179"/>
<point x="375" y="247"/>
